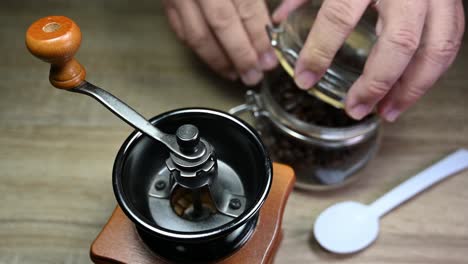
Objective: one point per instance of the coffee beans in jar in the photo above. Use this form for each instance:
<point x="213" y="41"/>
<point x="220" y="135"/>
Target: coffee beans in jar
<point x="321" y="143"/>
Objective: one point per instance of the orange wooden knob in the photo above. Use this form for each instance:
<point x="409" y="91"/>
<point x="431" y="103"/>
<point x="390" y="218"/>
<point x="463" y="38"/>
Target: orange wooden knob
<point x="56" y="39"/>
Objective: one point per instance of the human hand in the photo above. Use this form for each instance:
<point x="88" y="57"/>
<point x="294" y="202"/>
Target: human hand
<point x="418" y="40"/>
<point x="229" y="35"/>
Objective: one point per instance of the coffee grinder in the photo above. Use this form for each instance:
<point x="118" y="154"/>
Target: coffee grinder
<point x="192" y="185"/>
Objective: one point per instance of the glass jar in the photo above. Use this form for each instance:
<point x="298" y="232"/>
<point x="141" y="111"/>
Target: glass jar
<point x="289" y="37"/>
<point x="309" y="130"/>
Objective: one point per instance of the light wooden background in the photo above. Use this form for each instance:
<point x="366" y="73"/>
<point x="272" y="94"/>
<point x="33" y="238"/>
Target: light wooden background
<point x="57" y="148"/>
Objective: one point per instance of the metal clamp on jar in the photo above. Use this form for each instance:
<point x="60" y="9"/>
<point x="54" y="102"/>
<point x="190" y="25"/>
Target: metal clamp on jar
<point x="310" y="130"/>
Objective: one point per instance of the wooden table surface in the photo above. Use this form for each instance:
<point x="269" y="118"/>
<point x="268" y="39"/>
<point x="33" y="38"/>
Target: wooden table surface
<point x="57" y="148"/>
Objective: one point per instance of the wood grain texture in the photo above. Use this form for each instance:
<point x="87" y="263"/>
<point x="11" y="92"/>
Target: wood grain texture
<point x="119" y="242"/>
<point x="57" y="148"/>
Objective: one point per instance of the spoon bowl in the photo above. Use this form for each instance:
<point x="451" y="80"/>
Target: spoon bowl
<point x="346" y="227"/>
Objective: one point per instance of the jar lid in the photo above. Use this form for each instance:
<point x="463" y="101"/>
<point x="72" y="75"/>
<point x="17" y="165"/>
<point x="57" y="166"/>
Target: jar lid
<point x="288" y="39"/>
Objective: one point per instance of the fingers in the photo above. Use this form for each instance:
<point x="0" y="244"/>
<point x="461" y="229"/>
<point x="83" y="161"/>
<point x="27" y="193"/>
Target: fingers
<point x="335" y="21"/>
<point x="440" y="44"/>
<point x="254" y="16"/>
<point x="229" y="35"/>
<point x="286" y="7"/>
<point x="174" y="19"/>
<point x="402" y="25"/>
<point x="229" y="30"/>
<point x="197" y="35"/>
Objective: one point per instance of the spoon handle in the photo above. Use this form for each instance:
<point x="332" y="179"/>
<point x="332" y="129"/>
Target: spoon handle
<point x="450" y="165"/>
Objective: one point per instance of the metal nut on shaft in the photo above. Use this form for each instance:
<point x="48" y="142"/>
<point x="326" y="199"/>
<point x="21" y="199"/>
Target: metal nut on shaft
<point x="188" y="138"/>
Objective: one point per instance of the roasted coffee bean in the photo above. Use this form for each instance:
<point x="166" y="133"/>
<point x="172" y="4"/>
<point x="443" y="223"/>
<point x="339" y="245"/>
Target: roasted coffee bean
<point x="290" y="105"/>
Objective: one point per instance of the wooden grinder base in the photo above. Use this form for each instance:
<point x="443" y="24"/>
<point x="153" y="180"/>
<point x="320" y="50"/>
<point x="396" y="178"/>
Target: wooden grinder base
<point x="119" y="242"/>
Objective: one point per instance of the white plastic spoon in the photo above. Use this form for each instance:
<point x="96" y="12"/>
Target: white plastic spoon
<point x="348" y="227"/>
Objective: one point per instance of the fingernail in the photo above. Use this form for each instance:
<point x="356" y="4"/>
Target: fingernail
<point x="252" y="76"/>
<point x="306" y="79"/>
<point x="268" y="60"/>
<point x="276" y="15"/>
<point x="359" y="111"/>
<point x="391" y="115"/>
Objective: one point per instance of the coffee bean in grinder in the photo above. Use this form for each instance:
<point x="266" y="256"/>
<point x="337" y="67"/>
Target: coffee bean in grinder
<point x="310" y="130"/>
<point x="193" y="185"/>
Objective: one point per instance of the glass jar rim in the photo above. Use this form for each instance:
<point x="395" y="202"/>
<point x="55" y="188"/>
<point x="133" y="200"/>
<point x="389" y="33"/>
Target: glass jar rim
<point x="288" y="39"/>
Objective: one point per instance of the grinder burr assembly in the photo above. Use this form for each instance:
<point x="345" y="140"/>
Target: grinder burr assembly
<point x="191" y="180"/>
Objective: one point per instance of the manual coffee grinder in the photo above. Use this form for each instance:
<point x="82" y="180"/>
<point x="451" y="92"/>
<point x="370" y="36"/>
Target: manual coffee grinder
<point x="193" y="185"/>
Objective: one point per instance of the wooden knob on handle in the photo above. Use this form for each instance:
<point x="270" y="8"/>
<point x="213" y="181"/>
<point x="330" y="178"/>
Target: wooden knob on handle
<point x="56" y="39"/>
